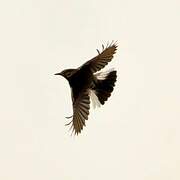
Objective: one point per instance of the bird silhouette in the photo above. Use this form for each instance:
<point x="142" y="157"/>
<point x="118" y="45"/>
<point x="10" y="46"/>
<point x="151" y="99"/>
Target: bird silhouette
<point x="86" y="82"/>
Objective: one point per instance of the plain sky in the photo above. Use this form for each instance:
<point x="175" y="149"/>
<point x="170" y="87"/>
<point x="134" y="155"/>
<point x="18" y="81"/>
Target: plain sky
<point x="135" y="135"/>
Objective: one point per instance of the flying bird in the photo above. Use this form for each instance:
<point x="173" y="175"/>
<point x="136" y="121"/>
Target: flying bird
<point x="86" y="82"/>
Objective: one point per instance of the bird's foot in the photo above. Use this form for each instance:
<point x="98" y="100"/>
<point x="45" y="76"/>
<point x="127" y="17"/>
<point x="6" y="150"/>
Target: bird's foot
<point x="68" y="123"/>
<point x="69" y="117"/>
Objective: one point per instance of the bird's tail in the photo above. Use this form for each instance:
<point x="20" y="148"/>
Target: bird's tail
<point x="105" y="85"/>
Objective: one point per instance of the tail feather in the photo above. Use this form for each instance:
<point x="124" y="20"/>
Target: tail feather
<point x="105" y="87"/>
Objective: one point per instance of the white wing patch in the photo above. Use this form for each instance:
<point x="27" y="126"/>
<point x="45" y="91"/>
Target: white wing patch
<point x="103" y="75"/>
<point x="94" y="99"/>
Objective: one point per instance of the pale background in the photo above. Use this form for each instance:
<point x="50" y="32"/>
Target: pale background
<point x="135" y="136"/>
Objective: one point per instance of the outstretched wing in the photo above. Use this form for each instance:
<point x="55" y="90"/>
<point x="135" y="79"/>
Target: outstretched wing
<point x="102" y="59"/>
<point x="81" y="108"/>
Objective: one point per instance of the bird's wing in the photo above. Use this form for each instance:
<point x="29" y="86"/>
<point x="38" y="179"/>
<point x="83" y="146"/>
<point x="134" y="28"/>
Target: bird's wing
<point x="102" y="59"/>
<point x="81" y="108"/>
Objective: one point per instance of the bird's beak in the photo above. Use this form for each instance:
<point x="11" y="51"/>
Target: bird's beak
<point x="58" y="74"/>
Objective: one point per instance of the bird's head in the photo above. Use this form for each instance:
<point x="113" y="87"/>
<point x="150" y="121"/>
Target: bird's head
<point x="67" y="73"/>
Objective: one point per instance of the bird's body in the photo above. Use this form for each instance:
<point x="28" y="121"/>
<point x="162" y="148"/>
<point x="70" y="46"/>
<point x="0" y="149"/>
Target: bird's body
<point x="85" y="80"/>
<point x="82" y="79"/>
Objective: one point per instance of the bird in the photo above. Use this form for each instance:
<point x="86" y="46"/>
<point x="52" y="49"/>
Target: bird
<point x="88" y="82"/>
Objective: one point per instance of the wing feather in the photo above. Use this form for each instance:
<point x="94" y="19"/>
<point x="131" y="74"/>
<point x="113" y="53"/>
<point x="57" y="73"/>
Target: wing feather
<point x="81" y="108"/>
<point x="103" y="58"/>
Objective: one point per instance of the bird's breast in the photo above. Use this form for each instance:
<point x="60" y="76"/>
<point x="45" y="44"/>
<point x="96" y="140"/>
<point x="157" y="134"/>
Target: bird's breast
<point x="80" y="81"/>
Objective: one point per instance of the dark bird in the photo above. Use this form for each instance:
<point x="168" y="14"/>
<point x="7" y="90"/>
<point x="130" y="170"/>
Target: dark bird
<point x="86" y="82"/>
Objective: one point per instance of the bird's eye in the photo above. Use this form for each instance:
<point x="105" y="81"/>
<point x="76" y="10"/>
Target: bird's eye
<point x="68" y="73"/>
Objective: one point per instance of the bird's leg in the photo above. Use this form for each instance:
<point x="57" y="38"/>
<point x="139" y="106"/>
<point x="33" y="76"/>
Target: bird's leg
<point x="68" y="123"/>
<point x="69" y="117"/>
